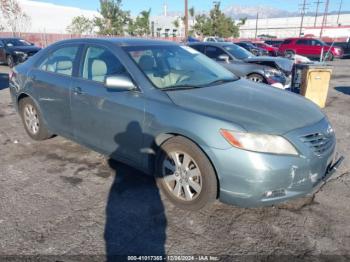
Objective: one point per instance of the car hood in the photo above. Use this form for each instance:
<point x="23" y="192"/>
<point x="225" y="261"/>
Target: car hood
<point x="255" y="107"/>
<point x="25" y="49"/>
<point x="284" y="64"/>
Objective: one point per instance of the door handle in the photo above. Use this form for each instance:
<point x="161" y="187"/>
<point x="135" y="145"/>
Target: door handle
<point x="77" y="91"/>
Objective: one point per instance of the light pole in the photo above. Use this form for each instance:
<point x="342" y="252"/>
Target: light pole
<point x="186" y="19"/>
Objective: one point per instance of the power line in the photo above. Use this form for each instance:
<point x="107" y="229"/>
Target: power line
<point x="317" y="7"/>
<point x="325" y="16"/>
<point x="340" y="6"/>
<point x="304" y="7"/>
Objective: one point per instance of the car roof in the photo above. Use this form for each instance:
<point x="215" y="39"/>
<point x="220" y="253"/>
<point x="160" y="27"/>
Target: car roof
<point x="220" y="44"/>
<point x="120" y="41"/>
<point x="9" y="38"/>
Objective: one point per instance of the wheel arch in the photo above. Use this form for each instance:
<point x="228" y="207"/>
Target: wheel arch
<point x="163" y="137"/>
<point x="258" y="73"/>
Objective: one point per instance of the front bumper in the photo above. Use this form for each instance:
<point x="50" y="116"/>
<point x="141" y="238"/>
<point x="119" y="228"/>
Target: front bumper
<point x="281" y="82"/>
<point x="251" y="179"/>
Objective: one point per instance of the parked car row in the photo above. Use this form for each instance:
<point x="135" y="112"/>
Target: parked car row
<point x="275" y="71"/>
<point x="172" y="112"/>
<point x="305" y="46"/>
<point x="16" y="50"/>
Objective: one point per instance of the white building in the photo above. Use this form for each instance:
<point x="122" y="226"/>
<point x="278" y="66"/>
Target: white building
<point x="290" y="26"/>
<point x="50" y="18"/>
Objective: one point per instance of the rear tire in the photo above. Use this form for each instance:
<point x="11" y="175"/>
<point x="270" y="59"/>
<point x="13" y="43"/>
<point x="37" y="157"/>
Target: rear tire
<point x="10" y="62"/>
<point x="32" y="120"/>
<point x="328" y="57"/>
<point x="289" y="54"/>
<point x="185" y="175"/>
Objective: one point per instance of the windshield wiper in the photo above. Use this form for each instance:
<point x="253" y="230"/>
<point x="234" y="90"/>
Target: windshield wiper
<point x="221" y="81"/>
<point x="178" y="87"/>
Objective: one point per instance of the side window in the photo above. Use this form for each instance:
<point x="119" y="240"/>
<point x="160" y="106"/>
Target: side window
<point x="60" y="61"/>
<point x="286" y="42"/>
<point x="1" y="43"/>
<point x="100" y="63"/>
<point x="302" y="42"/>
<point x="199" y="48"/>
<point x="214" y="52"/>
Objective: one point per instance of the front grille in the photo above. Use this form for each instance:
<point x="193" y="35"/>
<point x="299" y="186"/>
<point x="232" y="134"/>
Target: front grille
<point x="318" y="142"/>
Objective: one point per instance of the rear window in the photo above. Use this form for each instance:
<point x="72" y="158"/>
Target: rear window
<point x="287" y="42"/>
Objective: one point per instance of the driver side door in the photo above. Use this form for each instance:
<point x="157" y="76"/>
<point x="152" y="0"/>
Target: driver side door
<point x="109" y="121"/>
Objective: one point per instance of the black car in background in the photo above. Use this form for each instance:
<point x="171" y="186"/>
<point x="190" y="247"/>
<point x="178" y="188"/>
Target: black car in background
<point x="253" y="49"/>
<point x="16" y="50"/>
<point x="275" y="71"/>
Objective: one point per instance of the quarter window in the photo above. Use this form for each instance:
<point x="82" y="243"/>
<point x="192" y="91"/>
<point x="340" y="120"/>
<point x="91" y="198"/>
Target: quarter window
<point x="100" y="63"/>
<point x="61" y="61"/>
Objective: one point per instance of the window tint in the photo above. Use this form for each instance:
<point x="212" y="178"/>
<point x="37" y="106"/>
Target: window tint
<point x="302" y="42"/>
<point x="214" y="52"/>
<point x="287" y="42"/>
<point x="315" y="42"/>
<point x="100" y="63"/>
<point x="199" y="48"/>
<point x="61" y="61"/>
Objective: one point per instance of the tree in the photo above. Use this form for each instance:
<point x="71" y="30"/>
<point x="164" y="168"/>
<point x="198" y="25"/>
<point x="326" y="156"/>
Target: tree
<point x="81" y="25"/>
<point x="216" y="24"/>
<point x="15" y="18"/>
<point x="114" y="20"/>
<point x="176" y="24"/>
<point x="143" y="24"/>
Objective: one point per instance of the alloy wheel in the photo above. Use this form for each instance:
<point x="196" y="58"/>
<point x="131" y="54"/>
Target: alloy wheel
<point x="182" y="176"/>
<point x="31" y="119"/>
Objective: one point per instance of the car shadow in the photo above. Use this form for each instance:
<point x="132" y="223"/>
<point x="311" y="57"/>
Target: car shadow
<point x="4" y="81"/>
<point x="343" y="89"/>
<point x="135" y="218"/>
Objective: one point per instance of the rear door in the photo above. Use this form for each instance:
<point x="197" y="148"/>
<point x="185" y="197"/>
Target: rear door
<point x="51" y="82"/>
<point x="108" y="121"/>
<point x="303" y="47"/>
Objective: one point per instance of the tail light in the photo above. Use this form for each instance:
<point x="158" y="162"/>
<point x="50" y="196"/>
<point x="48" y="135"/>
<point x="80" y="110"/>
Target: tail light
<point x="12" y="75"/>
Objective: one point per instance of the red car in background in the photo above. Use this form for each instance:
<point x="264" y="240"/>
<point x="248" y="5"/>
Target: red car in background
<point x="273" y="51"/>
<point x="309" y="47"/>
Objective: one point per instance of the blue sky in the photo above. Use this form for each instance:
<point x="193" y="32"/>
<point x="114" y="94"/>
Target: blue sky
<point x="177" y="5"/>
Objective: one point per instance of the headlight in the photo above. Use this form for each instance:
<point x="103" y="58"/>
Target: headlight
<point x="259" y="142"/>
<point x="272" y="72"/>
<point x="20" y="53"/>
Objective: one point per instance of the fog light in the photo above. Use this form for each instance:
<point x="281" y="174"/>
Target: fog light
<point x="275" y="193"/>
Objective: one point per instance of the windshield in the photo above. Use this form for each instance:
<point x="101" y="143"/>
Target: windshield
<point x="173" y="66"/>
<point x="16" y="42"/>
<point x="238" y="52"/>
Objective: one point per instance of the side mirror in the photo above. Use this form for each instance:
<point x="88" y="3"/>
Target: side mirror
<point x="224" y="58"/>
<point x="119" y="83"/>
<point x="31" y="43"/>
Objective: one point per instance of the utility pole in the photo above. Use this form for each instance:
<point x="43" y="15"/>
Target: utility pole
<point x="303" y="8"/>
<point x="256" y="25"/>
<point x="317" y="8"/>
<point x="324" y="21"/>
<point x="186" y="19"/>
<point x="340" y="6"/>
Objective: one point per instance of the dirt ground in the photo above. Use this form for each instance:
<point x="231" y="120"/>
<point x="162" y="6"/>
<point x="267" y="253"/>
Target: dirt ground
<point x="58" y="198"/>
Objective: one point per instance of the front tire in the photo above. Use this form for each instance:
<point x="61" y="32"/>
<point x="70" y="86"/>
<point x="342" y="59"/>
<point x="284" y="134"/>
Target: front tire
<point x="185" y="174"/>
<point x="256" y="78"/>
<point x="32" y="120"/>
